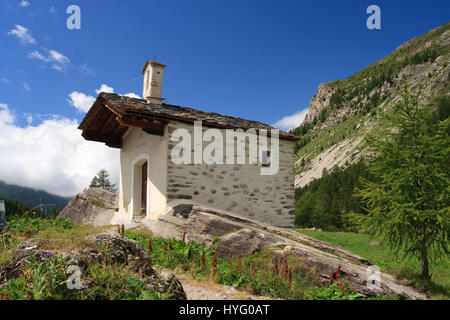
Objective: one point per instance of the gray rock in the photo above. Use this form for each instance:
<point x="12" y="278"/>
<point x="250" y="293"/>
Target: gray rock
<point x="94" y="206"/>
<point x="2" y="216"/>
<point x="375" y="244"/>
<point x="241" y="236"/>
<point x="244" y="242"/>
<point x="359" y="277"/>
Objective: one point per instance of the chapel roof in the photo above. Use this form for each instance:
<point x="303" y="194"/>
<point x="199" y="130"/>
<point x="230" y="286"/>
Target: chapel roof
<point x="111" y="115"/>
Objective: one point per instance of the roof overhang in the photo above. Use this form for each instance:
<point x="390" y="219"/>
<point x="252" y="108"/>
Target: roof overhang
<point x="107" y="124"/>
<point x="112" y="115"/>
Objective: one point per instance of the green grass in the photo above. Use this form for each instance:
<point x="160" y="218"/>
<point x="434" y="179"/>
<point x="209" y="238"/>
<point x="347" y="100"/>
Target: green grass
<point x="100" y="204"/>
<point x="70" y="235"/>
<point x="46" y="279"/>
<point x="254" y="274"/>
<point x="322" y="139"/>
<point x="402" y="268"/>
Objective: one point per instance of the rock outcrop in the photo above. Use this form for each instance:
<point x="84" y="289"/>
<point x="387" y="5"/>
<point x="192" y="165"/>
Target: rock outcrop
<point x="237" y="236"/>
<point x="320" y="101"/>
<point x="93" y="206"/>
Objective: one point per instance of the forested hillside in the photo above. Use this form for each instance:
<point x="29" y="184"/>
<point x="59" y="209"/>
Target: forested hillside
<point x="31" y="197"/>
<point x="324" y="202"/>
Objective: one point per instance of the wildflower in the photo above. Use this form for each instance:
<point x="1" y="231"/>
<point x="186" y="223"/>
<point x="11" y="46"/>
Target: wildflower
<point x="202" y="258"/>
<point x="290" y="275"/>
<point x="214" y="264"/>
<point x="254" y="268"/>
<point x="275" y="265"/>
<point x="238" y="266"/>
<point x="342" y="287"/>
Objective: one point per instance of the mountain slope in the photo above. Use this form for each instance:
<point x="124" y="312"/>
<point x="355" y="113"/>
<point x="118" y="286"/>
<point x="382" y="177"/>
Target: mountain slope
<point x="343" y="112"/>
<point x="31" y="197"/>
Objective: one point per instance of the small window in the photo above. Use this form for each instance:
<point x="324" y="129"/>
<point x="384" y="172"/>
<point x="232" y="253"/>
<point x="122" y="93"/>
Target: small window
<point x="265" y="159"/>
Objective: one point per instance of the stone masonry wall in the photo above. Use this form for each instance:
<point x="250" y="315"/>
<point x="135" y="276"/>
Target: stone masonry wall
<point x="238" y="188"/>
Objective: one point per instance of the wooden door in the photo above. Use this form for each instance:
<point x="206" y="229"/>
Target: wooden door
<point x="144" y="188"/>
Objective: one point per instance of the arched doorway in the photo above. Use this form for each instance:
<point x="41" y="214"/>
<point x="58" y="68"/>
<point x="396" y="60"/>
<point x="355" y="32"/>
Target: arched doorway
<point x="143" y="208"/>
<point x="140" y="187"/>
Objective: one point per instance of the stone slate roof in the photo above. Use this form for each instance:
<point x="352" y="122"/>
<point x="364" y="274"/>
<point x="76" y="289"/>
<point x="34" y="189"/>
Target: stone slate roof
<point x="139" y="108"/>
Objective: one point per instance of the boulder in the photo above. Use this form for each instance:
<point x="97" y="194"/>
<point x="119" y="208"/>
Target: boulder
<point x="368" y="281"/>
<point x="94" y="206"/>
<point x="375" y="244"/>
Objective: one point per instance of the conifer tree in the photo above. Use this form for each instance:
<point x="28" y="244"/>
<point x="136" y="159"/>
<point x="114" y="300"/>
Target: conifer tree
<point x="408" y="198"/>
<point x="101" y="180"/>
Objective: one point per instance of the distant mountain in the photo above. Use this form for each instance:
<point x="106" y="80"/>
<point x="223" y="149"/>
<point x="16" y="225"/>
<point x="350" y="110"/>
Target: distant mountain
<point x="31" y="197"/>
<point x="343" y="112"/>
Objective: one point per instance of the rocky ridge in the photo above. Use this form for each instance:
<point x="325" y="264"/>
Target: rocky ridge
<point x="343" y="112"/>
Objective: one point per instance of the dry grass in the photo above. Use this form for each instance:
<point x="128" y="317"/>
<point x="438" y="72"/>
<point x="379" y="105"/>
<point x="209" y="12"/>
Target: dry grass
<point x="70" y="239"/>
<point x="141" y="231"/>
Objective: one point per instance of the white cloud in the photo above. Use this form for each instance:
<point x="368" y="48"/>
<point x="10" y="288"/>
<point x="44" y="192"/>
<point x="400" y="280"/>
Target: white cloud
<point x="81" y="101"/>
<point x="51" y="155"/>
<point x="52" y="10"/>
<point x="57" y="60"/>
<point x="6" y="116"/>
<point x="57" y="68"/>
<point x="29" y="118"/>
<point x="24" y="3"/>
<point x="132" y="95"/>
<point x="5" y="80"/>
<point x="58" y="57"/>
<point x="37" y="55"/>
<point x="85" y="70"/>
<point x="22" y="34"/>
<point x="84" y="102"/>
<point x="26" y="86"/>
<point x="292" y="121"/>
<point x="105" y="88"/>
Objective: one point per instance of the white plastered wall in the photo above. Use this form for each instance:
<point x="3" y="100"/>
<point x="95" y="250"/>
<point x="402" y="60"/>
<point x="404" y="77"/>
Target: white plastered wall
<point x="138" y="147"/>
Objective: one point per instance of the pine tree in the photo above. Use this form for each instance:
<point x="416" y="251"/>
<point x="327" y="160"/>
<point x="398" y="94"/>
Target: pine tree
<point x="101" y="180"/>
<point x="408" y="199"/>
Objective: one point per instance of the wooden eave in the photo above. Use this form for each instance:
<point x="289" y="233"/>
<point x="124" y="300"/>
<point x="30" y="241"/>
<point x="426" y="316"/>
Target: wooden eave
<point x="109" y="119"/>
<point x="107" y="124"/>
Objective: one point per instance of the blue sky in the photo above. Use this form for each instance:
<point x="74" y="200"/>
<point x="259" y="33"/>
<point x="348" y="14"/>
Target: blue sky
<point x="261" y="60"/>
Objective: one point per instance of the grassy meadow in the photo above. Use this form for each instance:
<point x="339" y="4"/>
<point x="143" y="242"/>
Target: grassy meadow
<point x="383" y="257"/>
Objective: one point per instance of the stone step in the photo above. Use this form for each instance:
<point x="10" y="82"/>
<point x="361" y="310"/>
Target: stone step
<point x="138" y="219"/>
